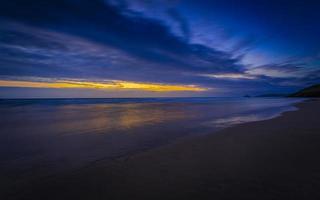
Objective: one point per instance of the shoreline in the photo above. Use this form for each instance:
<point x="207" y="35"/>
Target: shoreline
<point x="270" y="159"/>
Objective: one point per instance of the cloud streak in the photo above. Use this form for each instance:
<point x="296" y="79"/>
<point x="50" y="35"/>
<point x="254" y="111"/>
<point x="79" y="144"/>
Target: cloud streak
<point x="105" y="85"/>
<point x="231" y="76"/>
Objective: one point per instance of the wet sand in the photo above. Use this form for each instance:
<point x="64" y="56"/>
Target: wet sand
<point x="272" y="159"/>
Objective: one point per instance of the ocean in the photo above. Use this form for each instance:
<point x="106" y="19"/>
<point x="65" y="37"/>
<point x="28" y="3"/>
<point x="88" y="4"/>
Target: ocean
<point x="47" y="136"/>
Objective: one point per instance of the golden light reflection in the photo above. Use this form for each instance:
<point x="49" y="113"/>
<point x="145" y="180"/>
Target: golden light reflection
<point x="110" y="85"/>
<point x="116" y="117"/>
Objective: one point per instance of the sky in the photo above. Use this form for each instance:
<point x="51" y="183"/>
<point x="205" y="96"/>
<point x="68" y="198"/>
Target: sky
<point x="157" y="48"/>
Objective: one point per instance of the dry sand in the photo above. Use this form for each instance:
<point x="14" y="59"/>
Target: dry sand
<point x="272" y="159"/>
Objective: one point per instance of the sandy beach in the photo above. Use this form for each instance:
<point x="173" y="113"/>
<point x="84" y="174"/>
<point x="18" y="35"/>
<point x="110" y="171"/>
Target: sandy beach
<point x="271" y="159"/>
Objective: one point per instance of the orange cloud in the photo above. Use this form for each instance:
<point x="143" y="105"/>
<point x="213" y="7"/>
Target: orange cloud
<point x="110" y="85"/>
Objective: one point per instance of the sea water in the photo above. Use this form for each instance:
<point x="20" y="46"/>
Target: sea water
<point x="50" y="135"/>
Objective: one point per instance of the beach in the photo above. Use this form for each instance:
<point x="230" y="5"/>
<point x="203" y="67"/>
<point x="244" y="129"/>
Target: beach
<point x="271" y="159"/>
<point x="159" y="100"/>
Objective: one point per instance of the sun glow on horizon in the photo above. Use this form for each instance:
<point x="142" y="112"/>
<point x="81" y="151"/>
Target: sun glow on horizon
<point x="108" y="85"/>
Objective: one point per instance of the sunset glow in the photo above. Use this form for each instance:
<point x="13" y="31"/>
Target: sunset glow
<point x="110" y="85"/>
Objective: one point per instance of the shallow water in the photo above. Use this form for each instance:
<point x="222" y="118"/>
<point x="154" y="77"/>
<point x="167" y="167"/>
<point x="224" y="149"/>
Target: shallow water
<point x="50" y="135"/>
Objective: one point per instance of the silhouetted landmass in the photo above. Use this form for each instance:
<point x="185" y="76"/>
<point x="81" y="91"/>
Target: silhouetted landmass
<point x="312" y="91"/>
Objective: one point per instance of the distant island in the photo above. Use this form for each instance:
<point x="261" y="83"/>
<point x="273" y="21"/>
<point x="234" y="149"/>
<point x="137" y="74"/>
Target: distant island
<point x="312" y="91"/>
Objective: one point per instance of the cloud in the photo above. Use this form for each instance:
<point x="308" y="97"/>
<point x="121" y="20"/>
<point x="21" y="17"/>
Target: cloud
<point x="231" y="76"/>
<point x="108" y="40"/>
<point x="111" y="46"/>
<point x="103" y="85"/>
<point x="183" y="23"/>
<point x="281" y="70"/>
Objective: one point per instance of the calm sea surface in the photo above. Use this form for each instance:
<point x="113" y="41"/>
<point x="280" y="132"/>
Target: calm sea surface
<point x="49" y="135"/>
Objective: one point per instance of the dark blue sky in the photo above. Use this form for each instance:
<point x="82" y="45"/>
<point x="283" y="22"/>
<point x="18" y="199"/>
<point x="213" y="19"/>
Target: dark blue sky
<point x="226" y="48"/>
